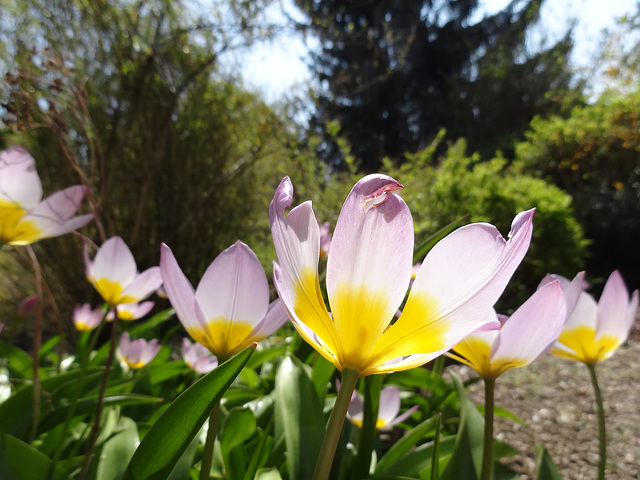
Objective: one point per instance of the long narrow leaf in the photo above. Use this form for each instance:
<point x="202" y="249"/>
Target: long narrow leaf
<point x="545" y="468"/>
<point x="406" y="443"/>
<point x="298" y="418"/>
<point x="168" y="438"/>
<point x="466" y="458"/>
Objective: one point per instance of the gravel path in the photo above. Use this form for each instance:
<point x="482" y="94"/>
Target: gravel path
<point x="554" y="398"/>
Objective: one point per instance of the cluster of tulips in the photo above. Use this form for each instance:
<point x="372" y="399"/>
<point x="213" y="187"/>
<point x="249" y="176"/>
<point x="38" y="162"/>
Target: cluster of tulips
<point x="386" y="315"/>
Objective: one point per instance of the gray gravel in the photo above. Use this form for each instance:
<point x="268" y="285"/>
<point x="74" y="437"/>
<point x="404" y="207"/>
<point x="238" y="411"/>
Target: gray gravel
<point x="555" y="398"/>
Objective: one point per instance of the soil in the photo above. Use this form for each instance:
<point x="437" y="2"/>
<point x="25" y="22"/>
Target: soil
<point x="554" y="397"/>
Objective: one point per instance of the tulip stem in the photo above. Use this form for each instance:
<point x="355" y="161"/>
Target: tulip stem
<point x="602" y="429"/>
<point x="334" y="427"/>
<point x="95" y="428"/>
<point x="207" y="456"/>
<point x="487" y="451"/>
<point x="37" y="339"/>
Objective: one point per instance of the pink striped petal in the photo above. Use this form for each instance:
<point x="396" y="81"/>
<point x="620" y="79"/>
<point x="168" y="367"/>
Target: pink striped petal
<point x="533" y="328"/>
<point x="19" y="181"/>
<point x="369" y="265"/>
<point x="234" y="287"/>
<point x="276" y="317"/>
<point x="53" y="215"/>
<point x="180" y="292"/>
<point x="459" y="281"/>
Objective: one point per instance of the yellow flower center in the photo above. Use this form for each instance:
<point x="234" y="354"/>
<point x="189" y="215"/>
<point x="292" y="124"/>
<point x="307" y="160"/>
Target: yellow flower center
<point x="83" y="327"/>
<point x="586" y="347"/>
<point x="112" y="292"/>
<point x="12" y="230"/>
<point x="134" y="365"/>
<point x="224" y="337"/>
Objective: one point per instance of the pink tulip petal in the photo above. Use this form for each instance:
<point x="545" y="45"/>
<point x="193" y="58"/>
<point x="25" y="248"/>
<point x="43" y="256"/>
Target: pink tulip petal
<point x="19" y="181"/>
<point x="114" y="261"/>
<point x="53" y="215"/>
<point x="234" y="287"/>
<point x="276" y="317"/>
<point x="459" y="281"/>
<point x="297" y="244"/>
<point x="144" y="284"/>
<point x="613" y="306"/>
<point x="389" y="404"/>
<point x="369" y="266"/>
<point x="180" y="292"/>
<point x="533" y="328"/>
<point x="585" y="313"/>
<point x="401" y="418"/>
<point x="355" y="411"/>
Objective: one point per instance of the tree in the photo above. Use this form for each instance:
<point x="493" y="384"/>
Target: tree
<point x="126" y="97"/>
<point x="593" y="156"/>
<point x="394" y="72"/>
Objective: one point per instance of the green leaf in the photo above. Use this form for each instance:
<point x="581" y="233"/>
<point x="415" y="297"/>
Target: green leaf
<point x="157" y="319"/>
<point x="321" y="373"/>
<point x="115" y="453"/>
<point x="261" y="452"/>
<point x="16" y="412"/>
<point x="466" y="458"/>
<point x="20" y="461"/>
<point x="171" y="434"/>
<point x="504" y="413"/>
<point x="417" y="463"/>
<point x="545" y="468"/>
<point x="19" y="362"/>
<point x="298" y="418"/>
<point x="89" y="405"/>
<point x="435" y="458"/>
<point x="405" y="444"/>
<point x="268" y="474"/>
<point x="237" y="428"/>
<point x="372" y="387"/>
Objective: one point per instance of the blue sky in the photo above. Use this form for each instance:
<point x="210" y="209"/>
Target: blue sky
<point x="275" y="68"/>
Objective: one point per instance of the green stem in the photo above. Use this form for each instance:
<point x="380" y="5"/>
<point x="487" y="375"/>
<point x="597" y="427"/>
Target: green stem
<point x="95" y="429"/>
<point x="334" y="427"/>
<point x="37" y="340"/>
<point x="207" y="456"/>
<point x="372" y="385"/>
<point x="602" y="429"/>
<point x="487" y="451"/>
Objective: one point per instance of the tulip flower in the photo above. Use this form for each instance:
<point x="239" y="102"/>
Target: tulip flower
<point x="522" y="338"/>
<point x="85" y="319"/>
<point x="387" y="411"/>
<point x="230" y="308"/>
<point x="197" y="357"/>
<point x="114" y="274"/>
<point x="138" y="353"/>
<point x="24" y="217"/>
<point x="519" y="340"/>
<point x="594" y="331"/>
<point x="368" y="274"/>
<point x="131" y="311"/>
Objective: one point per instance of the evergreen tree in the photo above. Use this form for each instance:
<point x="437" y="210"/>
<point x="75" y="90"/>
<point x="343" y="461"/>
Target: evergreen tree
<point x="394" y="72"/>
